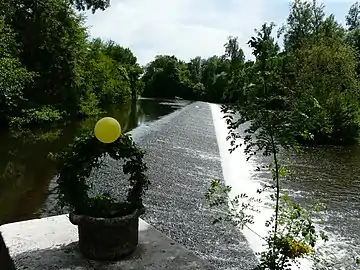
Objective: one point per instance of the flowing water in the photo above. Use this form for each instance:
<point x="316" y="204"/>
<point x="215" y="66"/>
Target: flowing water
<point x="27" y="172"/>
<point x="330" y="174"/>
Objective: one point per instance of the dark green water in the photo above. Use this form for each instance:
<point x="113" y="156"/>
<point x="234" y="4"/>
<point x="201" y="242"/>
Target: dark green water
<point x="26" y="171"/>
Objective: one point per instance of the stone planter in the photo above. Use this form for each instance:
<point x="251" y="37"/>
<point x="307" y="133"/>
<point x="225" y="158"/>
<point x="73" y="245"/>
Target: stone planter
<point x="107" y="239"/>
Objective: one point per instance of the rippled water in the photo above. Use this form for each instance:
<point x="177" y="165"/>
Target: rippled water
<point x="332" y="174"/>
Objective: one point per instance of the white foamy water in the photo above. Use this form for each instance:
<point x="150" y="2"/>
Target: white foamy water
<point x="239" y="174"/>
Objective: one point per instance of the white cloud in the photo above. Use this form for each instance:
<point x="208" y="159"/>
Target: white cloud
<point x="186" y="28"/>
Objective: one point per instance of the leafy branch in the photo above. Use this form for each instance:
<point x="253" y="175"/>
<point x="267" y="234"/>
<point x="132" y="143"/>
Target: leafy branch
<point x="273" y="123"/>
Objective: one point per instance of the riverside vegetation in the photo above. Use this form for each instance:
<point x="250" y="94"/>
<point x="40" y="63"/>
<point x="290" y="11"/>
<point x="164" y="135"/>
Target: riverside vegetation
<point x="287" y="98"/>
<point x="317" y="71"/>
<point x="49" y="69"/>
<point x="308" y="91"/>
<point x="56" y="72"/>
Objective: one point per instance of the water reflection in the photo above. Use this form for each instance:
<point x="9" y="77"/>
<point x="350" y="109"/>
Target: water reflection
<point x="26" y="170"/>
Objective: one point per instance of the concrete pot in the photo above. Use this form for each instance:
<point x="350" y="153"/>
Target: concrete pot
<point x="107" y="239"/>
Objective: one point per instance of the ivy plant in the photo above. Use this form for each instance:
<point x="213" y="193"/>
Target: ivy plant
<point x="87" y="153"/>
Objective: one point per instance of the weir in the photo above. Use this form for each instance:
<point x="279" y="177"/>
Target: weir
<point x="184" y="151"/>
<point x="241" y="175"/>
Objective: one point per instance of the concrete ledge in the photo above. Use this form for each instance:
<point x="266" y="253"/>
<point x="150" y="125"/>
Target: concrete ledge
<point x="51" y="243"/>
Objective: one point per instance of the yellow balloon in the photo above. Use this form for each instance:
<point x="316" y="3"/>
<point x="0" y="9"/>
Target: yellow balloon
<point x="107" y="130"/>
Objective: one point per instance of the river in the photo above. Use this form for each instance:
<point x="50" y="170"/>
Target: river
<point x="26" y="171"/>
<point x="330" y="174"/>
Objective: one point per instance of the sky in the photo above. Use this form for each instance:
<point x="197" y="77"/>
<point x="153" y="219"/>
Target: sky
<point x="190" y="28"/>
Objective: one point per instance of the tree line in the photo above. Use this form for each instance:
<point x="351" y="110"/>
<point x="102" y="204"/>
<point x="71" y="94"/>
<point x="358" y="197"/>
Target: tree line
<point x="316" y="72"/>
<point x="49" y="67"/>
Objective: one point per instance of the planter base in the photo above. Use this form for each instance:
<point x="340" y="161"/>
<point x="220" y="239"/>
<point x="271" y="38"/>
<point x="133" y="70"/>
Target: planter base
<point x="107" y="239"/>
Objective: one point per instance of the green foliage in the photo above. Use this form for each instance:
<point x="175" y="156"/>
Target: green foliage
<point x="166" y="77"/>
<point x="296" y="236"/>
<point x="105" y="77"/>
<point x="86" y="154"/>
<point x="53" y="40"/>
<point x="128" y="62"/>
<point x="327" y="71"/>
<point x="94" y="5"/>
<point x="49" y="62"/>
<point x="89" y="104"/>
<point x="274" y="124"/>
<point x="13" y="77"/>
<point x="49" y="68"/>
<point x="41" y="115"/>
<point x="238" y="211"/>
<point x="353" y="34"/>
<point x="353" y="17"/>
<point x="303" y="22"/>
<point x="314" y="79"/>
<point x="199" y="79"/>
<point x="309" y="92"/>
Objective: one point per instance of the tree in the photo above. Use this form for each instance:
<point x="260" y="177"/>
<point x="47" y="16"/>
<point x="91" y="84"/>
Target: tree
<point x="272" y="125"/>
<point x="306" y="23"/>
<point x="94" y="5"/>
<point x="13" y="77"/>
<point x="166" y="77"/>
<point x="303" y="22"/>
<point x="327" y="72"/>
<point x="53" y="41"/>
<point x="195" y="67"/>
<point x="236" y="73"/>
<point x="213" y="79"/>
<point x="73" y="75"/>
<point x="106" y="80"/>
<point x="126" y="59"/>
<point x="353" y="33"/>
<point x="353" y="17"/>
<point x="235" y="54"/>
<point x="309" y="32"/>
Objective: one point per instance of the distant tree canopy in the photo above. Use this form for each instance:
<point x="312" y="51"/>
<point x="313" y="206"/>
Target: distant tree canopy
<point x="317" y="72"/>
<point x="203" y="79"/>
